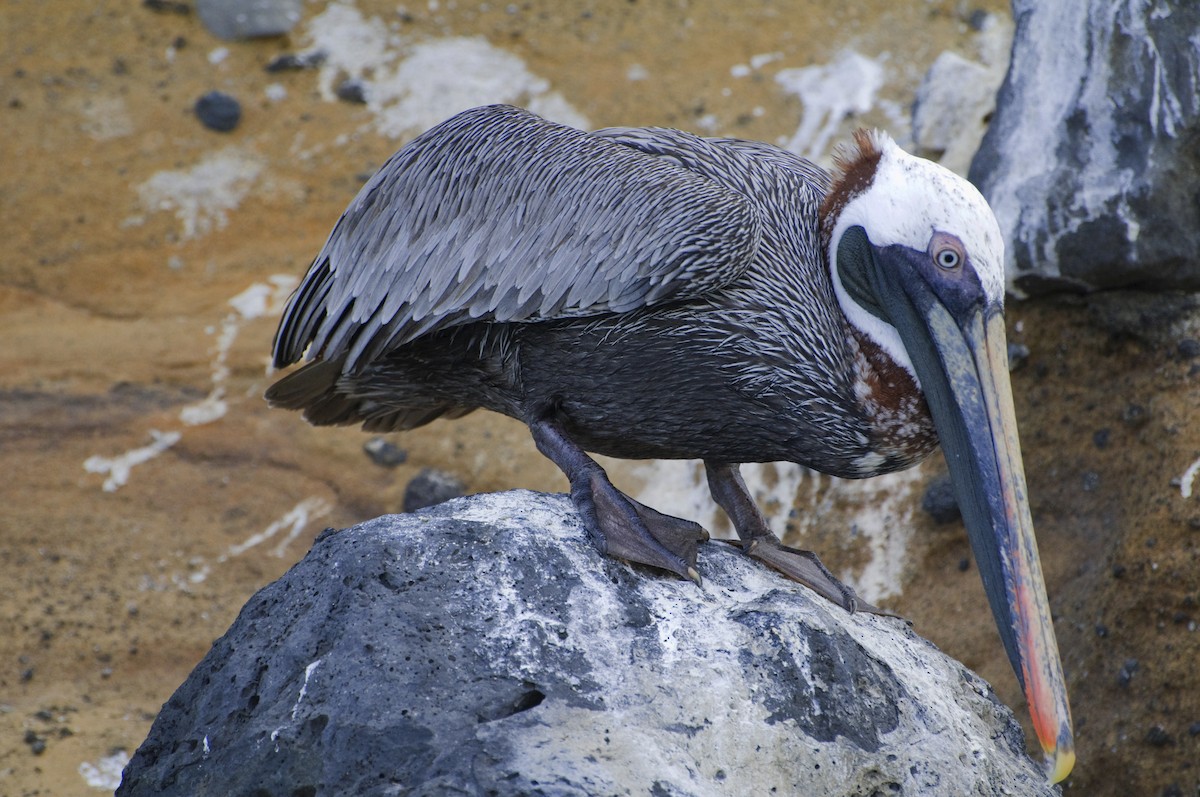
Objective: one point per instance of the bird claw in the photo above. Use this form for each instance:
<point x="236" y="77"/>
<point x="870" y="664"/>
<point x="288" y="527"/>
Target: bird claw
<point x="627" y="529"/>
<point x="807" y="568"/>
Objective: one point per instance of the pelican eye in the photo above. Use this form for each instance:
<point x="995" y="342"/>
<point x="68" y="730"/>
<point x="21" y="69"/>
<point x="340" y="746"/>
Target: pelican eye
<point x="947" y="257"/>
<point x="947" y="251"/>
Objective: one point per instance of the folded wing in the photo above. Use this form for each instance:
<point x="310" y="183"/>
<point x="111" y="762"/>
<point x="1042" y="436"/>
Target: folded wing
<point x="499" y="215"/>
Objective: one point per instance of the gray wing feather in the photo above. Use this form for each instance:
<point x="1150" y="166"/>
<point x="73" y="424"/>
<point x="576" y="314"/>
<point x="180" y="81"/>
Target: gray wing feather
<point x="499" y="215"/>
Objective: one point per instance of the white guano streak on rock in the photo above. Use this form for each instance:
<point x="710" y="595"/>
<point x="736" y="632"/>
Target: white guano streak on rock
<point x="690" y="750"/>
<point x="308" y="671"/>
<point x="512" y="621"/>
<point x="883" y="514"/>
<point x="1042" y="70"/>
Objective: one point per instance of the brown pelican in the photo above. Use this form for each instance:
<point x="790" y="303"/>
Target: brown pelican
<point x="644" y="292"/>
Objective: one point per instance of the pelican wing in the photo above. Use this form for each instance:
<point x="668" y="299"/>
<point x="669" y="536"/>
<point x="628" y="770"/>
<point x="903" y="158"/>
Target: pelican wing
<point x="499" y="215"/>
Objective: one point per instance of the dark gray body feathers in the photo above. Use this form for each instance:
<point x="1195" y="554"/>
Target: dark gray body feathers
<point x="665" y="294"/>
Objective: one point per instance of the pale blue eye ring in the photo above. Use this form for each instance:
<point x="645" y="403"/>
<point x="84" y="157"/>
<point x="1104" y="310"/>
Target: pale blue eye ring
<point x="947" y="258"/>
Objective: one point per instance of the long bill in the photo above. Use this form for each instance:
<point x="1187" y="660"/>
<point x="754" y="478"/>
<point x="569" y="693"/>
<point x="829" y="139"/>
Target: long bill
<point x="961" y="360"/>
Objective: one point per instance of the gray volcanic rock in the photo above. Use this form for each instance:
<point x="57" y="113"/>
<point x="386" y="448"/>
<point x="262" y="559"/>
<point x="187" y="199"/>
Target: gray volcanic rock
<point x="249" y="19"/>
<point x="484" y="647"/>
<point x="1091" y="161"/>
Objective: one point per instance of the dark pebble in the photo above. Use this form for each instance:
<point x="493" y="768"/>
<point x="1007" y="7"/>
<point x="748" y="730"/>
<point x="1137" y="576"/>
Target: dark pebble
<point x="1018" y="355"/>
<point x="384" y="453"/>
<point x="964" y="565"/>
<point x="1101" y="630"/>
<point x="352" y="90"/>
<point x="26" y="675"/>
<point x="1135" y="415"/>
<point x="1091" y="481"/>
<point x="1158" y="737"/>
<point x="1194" y="729"/>
<point x="939" y="500"/>
<point x="1125" y="674"/>
<point x="1174" y="790"/>
<point x="37" y="745"/>
<point x="218" y="111"/>
<point x="1189" y="348"/>
<point x="1100" y="438"/>
<point x="431" y="487"/>
<point x="290" y="62"/>
<point x="1118" y="571"/>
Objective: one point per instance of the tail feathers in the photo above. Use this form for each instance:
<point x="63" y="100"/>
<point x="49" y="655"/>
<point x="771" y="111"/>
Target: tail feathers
<point x="327" y="397"/>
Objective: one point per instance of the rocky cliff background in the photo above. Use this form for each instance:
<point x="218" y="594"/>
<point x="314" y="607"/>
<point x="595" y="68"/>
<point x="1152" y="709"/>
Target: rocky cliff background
<point x="148" y="492"/>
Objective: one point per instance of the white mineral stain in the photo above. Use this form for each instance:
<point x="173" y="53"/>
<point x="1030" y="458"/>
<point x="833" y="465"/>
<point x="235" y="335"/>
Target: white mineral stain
<point x="119" y="467"/>
<point x="413" y="85"/>
<point x="954" y="102"/>
<point x="202" y="195"/>
<point x="830" y="93"/>
<point x="883" y="514"/>
<point x="308" y="671"/>
<point x="105" y="118"/>
<point x="757" y="62"/>
<point x="260" y="299"/>
<point x="1066" y="73"/>
<point x="294" y="520"/>
<point x="694" y="647"/>
<point x="1188" y="479"/>
<point x="105" y="774"/>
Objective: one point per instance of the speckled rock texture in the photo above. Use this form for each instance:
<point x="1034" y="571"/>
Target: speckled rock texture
<point x="484" y="647"/>
<point x="1091" y="161"/>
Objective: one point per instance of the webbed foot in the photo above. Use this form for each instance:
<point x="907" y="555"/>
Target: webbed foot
<point x="624" y="528"/>
<point x="619" y="526"/>
<point x="730" y="492"/>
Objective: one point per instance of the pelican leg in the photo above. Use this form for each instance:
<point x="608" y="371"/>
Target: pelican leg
<point x="731" y="494"/>
<point x="618" y="525"/>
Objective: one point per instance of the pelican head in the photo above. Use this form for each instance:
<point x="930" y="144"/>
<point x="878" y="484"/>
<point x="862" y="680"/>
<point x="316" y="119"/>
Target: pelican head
<point x="917" y="261"/>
